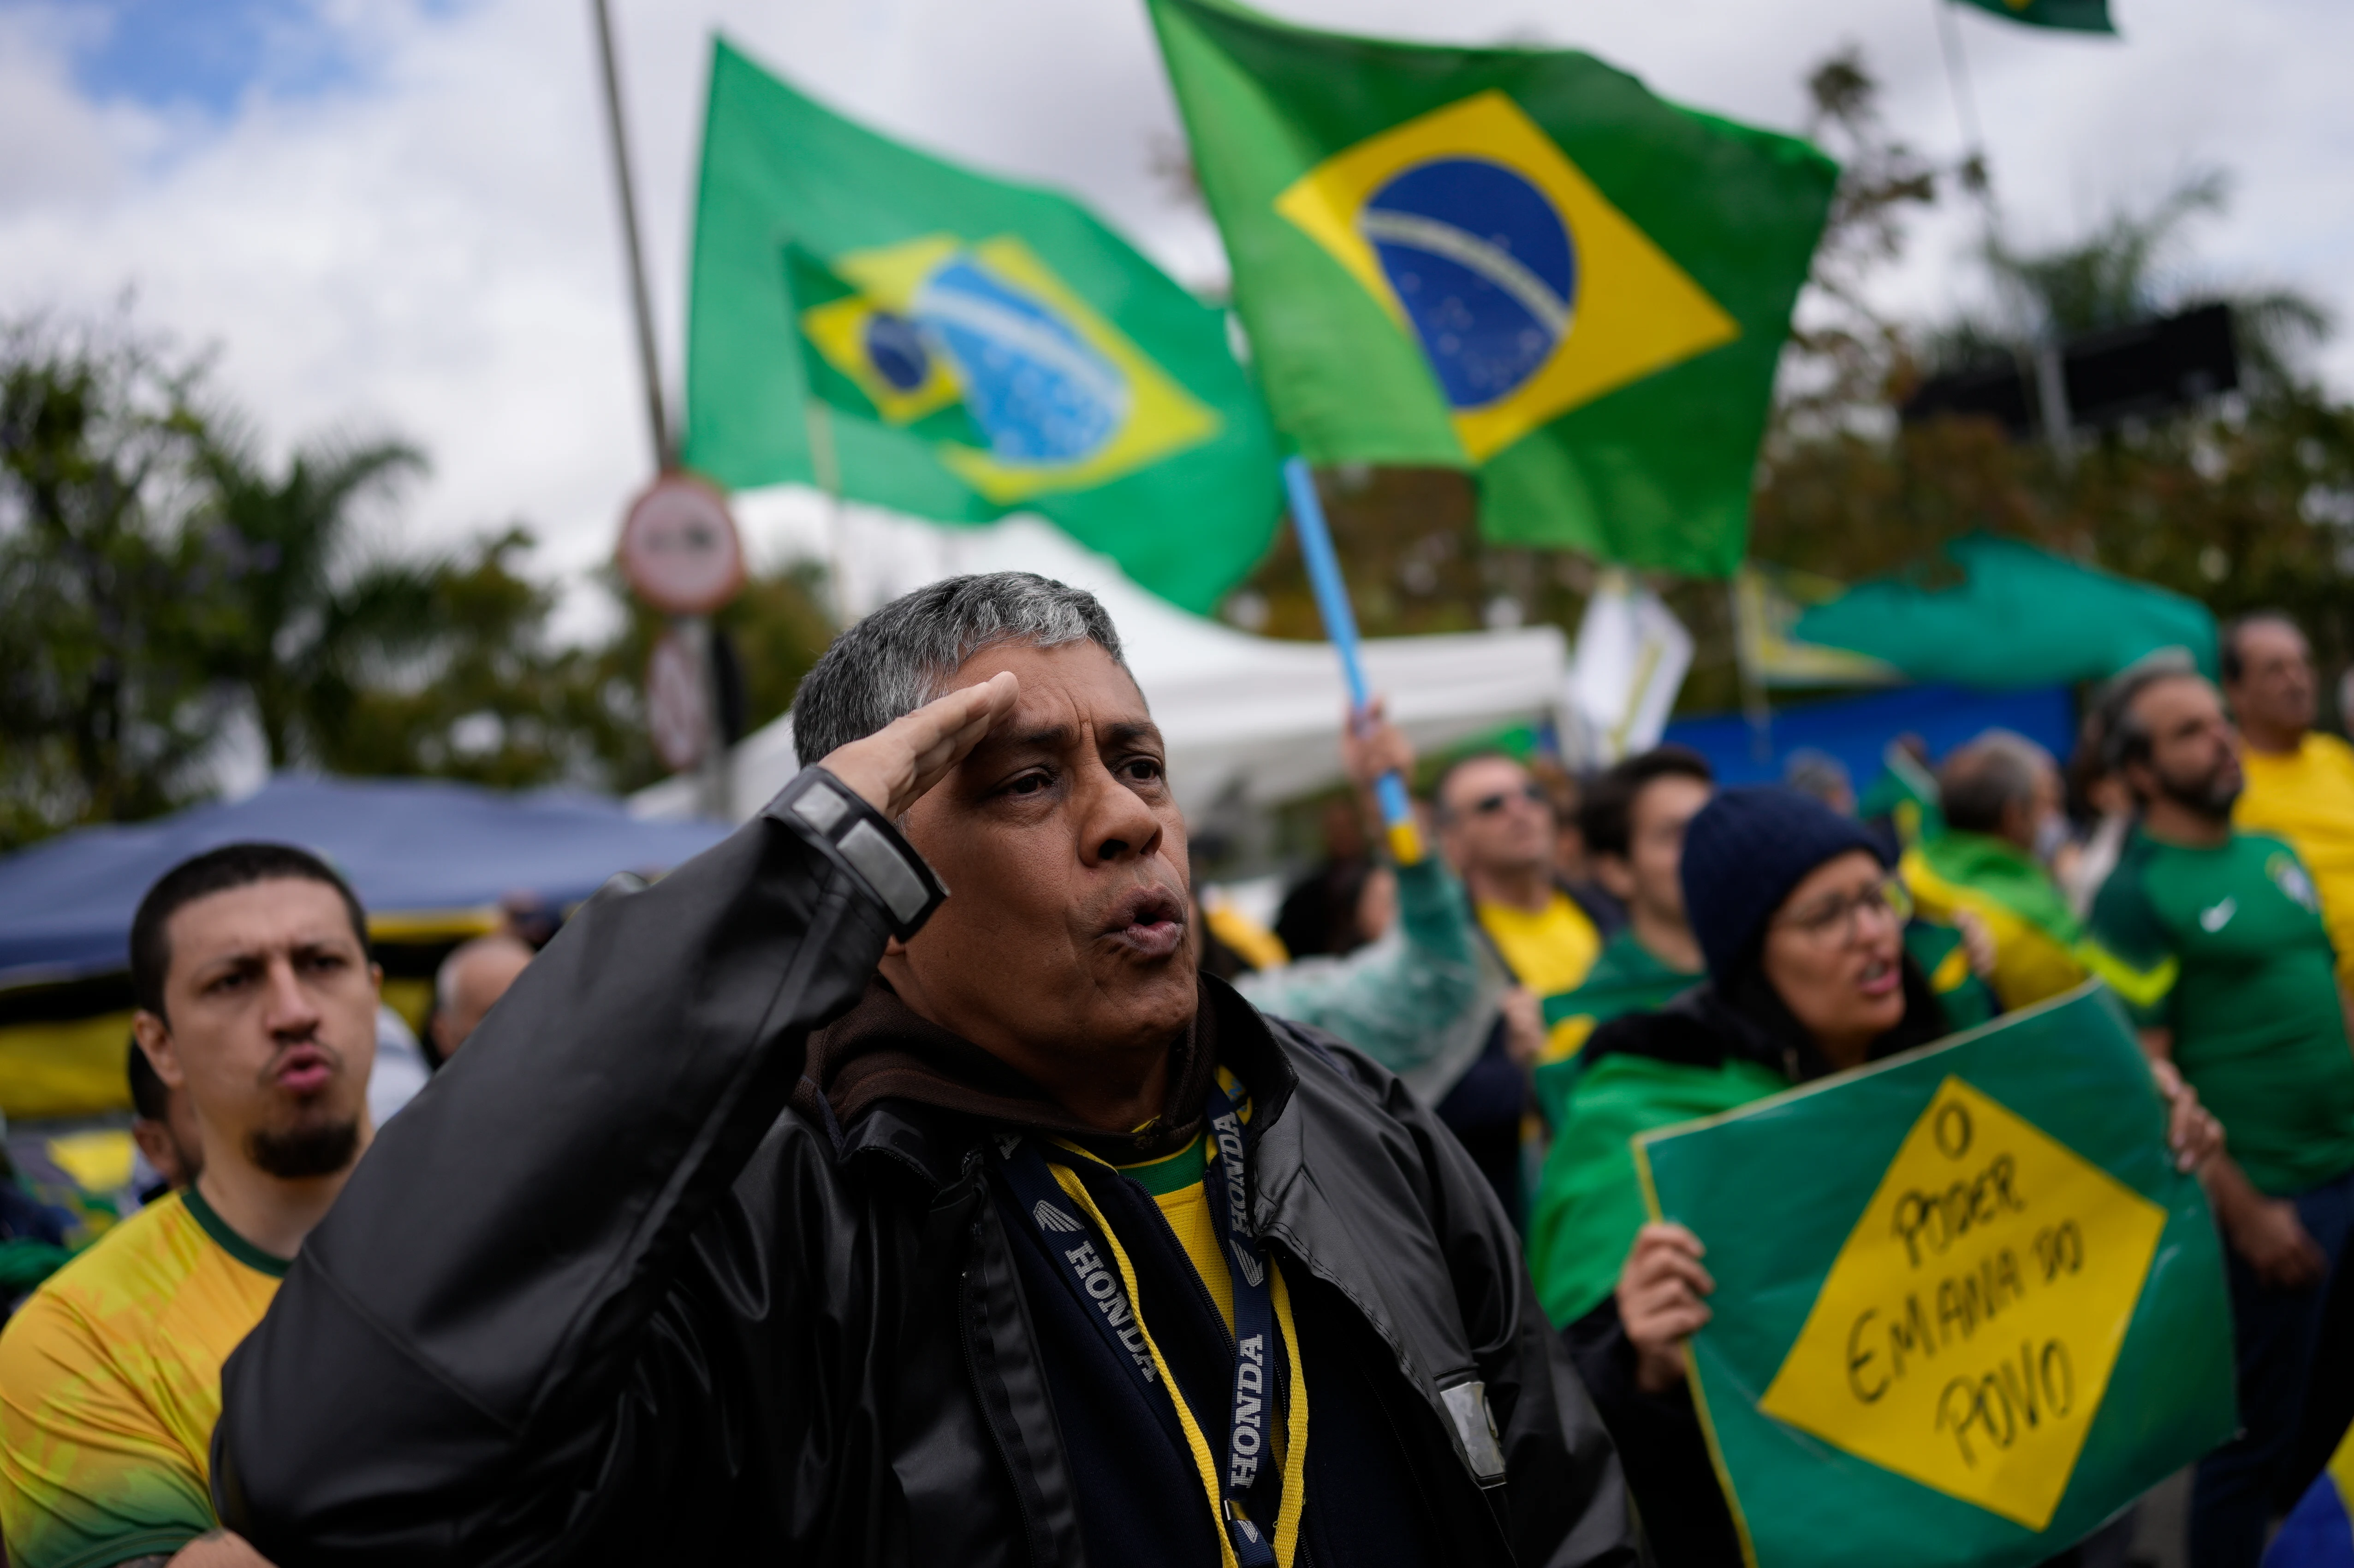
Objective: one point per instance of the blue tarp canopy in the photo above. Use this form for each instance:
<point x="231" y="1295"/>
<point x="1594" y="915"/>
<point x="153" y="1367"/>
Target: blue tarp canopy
<point x="431" y="861"/>
<point x="407" y="846"/>
<point x="1856" y="730"/>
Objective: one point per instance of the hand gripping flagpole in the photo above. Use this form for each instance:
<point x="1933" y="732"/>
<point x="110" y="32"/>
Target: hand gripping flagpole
<point x="1340" y="625"/>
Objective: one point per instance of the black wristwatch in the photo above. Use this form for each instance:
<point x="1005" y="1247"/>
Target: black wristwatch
<point x="862" y="841"/>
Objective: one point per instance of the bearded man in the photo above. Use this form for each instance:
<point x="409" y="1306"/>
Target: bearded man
<point x="794" y="1210"/>
<point x="2214" y="938"/>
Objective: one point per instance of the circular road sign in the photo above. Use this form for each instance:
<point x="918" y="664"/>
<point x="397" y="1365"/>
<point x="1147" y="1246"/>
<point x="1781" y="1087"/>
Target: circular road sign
<point x="679" y="547"/>
<point x="678" y="703"/>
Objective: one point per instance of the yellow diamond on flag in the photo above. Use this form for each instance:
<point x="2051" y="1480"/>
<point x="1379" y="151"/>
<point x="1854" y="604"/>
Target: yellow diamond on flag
<point x="1965" y="1335"/>
<point x="1066" y="400"/>
<point x="1529" y="293"/>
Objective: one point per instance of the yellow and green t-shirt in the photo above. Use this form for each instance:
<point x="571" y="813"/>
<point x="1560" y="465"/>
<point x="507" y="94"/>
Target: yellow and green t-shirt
<point x="109" y="1387"/>
<point x="1175" y="1184"/>
<point x="1548" y="951"/>
<point x="2308" y="798"/>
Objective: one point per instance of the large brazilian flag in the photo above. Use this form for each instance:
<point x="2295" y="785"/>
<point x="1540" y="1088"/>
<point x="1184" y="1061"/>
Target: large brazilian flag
<point x="1514" y="261"/>
<point x="1966" y="1306"/>
<point x="908" y="334"/>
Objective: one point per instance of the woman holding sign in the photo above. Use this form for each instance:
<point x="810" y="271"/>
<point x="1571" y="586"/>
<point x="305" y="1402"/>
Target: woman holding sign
<point x="1801" y="923"/>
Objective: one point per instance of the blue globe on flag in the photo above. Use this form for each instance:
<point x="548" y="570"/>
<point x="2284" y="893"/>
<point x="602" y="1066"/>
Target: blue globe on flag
<point x="1484" y="267"/>
<point x="894" y="347"/>
<point x="1038" y="390"/>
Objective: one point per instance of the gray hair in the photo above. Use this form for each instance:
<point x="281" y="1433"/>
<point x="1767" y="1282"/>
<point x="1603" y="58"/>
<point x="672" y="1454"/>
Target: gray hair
<point x="902" y="656"/>
<point x="2125" y="738"/>
<point x="453" y="965"/>
<point x="1813" y="772"/>
<point x="1982" y="779"/>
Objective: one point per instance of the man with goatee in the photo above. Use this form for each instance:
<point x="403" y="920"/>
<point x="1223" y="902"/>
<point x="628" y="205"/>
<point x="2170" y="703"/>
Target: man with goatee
<point x="257" y="1002"/>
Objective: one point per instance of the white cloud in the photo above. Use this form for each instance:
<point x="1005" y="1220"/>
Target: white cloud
<point x="433" y="250"/>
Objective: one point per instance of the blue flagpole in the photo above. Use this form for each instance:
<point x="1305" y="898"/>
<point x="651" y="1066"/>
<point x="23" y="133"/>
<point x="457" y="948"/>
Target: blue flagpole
<point x="1340" y="625"/>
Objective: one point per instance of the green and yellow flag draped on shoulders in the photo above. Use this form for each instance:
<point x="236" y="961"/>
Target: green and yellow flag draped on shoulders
<point x="1517" y="262"/>
<point x="908" y="334"/>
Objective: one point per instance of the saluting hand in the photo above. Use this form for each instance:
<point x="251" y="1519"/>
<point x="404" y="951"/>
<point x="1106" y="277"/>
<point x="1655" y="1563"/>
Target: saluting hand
<point x="892" y="768"/>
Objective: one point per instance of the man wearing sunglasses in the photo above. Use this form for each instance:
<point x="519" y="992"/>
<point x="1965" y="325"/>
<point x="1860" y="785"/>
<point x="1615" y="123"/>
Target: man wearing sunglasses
<point x="1496" y="824"/>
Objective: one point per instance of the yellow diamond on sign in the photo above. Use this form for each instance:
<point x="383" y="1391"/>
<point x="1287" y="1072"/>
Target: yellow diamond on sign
<point x="1967" y="1330"/>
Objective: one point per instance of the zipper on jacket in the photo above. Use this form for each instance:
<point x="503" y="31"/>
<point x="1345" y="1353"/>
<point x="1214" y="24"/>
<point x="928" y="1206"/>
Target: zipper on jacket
<point x="972" y="1321"/>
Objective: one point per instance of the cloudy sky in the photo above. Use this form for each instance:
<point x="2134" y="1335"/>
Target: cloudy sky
<point x="395" y="215"/>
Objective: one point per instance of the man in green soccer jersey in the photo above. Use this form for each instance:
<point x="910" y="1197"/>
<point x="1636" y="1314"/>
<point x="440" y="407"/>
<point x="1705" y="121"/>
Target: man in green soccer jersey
<point x="2214" y="938"/>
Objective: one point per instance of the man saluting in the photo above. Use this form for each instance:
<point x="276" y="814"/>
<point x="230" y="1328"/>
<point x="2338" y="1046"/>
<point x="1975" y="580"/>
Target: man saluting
<point x="792" y="1210"/>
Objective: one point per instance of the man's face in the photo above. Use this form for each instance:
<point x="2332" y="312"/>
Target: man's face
<point x="1066" y="937"/>
<point x="1655" y="843"/>
<point x="271" y="1029"/>
<point x="484" y="972"/>
<point x="1497" y="819"/>
<point x="2275" y="688"/>
<point x="2194" y="759"/>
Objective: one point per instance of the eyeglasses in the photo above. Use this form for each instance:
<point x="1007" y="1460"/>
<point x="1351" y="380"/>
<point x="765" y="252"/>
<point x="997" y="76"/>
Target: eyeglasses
<point x="1836" y="920"/>
<point x="1489" y="805"/>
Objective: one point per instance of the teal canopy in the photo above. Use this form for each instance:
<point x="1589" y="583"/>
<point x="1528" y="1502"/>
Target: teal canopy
<point x="2018" y="617"/>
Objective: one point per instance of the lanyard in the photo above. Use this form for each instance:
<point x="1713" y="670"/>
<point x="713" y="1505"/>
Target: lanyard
<point x="1221" y="1173"/>
<point x="1096" y="1270"/>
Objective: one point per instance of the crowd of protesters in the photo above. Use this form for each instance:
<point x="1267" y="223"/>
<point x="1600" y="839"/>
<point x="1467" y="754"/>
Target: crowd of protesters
<point x="791" y="1207"/>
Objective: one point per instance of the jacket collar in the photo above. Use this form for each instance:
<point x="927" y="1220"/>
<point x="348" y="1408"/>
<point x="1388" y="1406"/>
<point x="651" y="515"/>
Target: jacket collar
<point x="937" y="1138"/>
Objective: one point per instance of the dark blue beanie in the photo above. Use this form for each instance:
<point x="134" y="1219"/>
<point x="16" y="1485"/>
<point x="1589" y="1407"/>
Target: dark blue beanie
<point x="1744" y="854"/>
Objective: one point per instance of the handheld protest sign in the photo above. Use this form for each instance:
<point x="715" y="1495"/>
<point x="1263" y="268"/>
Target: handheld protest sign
<point x="1966" y="1307"/>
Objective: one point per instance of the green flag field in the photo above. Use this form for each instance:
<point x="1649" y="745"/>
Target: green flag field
<point x="2073" y="16"/>
<point x="1517" y="262"/>
<point x="905" y="332"/>
<point x="1966" y="1307"/>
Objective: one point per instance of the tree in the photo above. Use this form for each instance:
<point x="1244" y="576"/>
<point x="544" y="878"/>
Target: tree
<point x="2246" y="502"/>
<point x="105" y="713"/>
<point x="300" y="610"/>
<point x="777" y="629"/>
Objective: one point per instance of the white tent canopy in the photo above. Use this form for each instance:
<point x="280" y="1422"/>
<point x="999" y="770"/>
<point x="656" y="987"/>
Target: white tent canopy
<point x="1248" y="720"/>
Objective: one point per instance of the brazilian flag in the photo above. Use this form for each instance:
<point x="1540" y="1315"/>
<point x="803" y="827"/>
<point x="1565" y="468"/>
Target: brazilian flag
<point x="908" y="334"/>
<point x="2074" y="16"/>
<point x="1517" y="262"/>
<point x="2319" y="1532"/>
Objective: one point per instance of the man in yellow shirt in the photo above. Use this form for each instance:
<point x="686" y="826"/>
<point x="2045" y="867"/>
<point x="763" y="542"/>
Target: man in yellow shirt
<point x="2300" y="783"/>
<point x="1497" y="826"/>
<point x="257" y="1002"/>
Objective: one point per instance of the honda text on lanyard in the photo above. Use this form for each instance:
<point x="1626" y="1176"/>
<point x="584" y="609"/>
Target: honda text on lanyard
<point x="1262" y="1306"/>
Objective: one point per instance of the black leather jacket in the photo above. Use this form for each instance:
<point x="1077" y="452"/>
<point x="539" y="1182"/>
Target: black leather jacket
<point x="598" y="1296"/>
